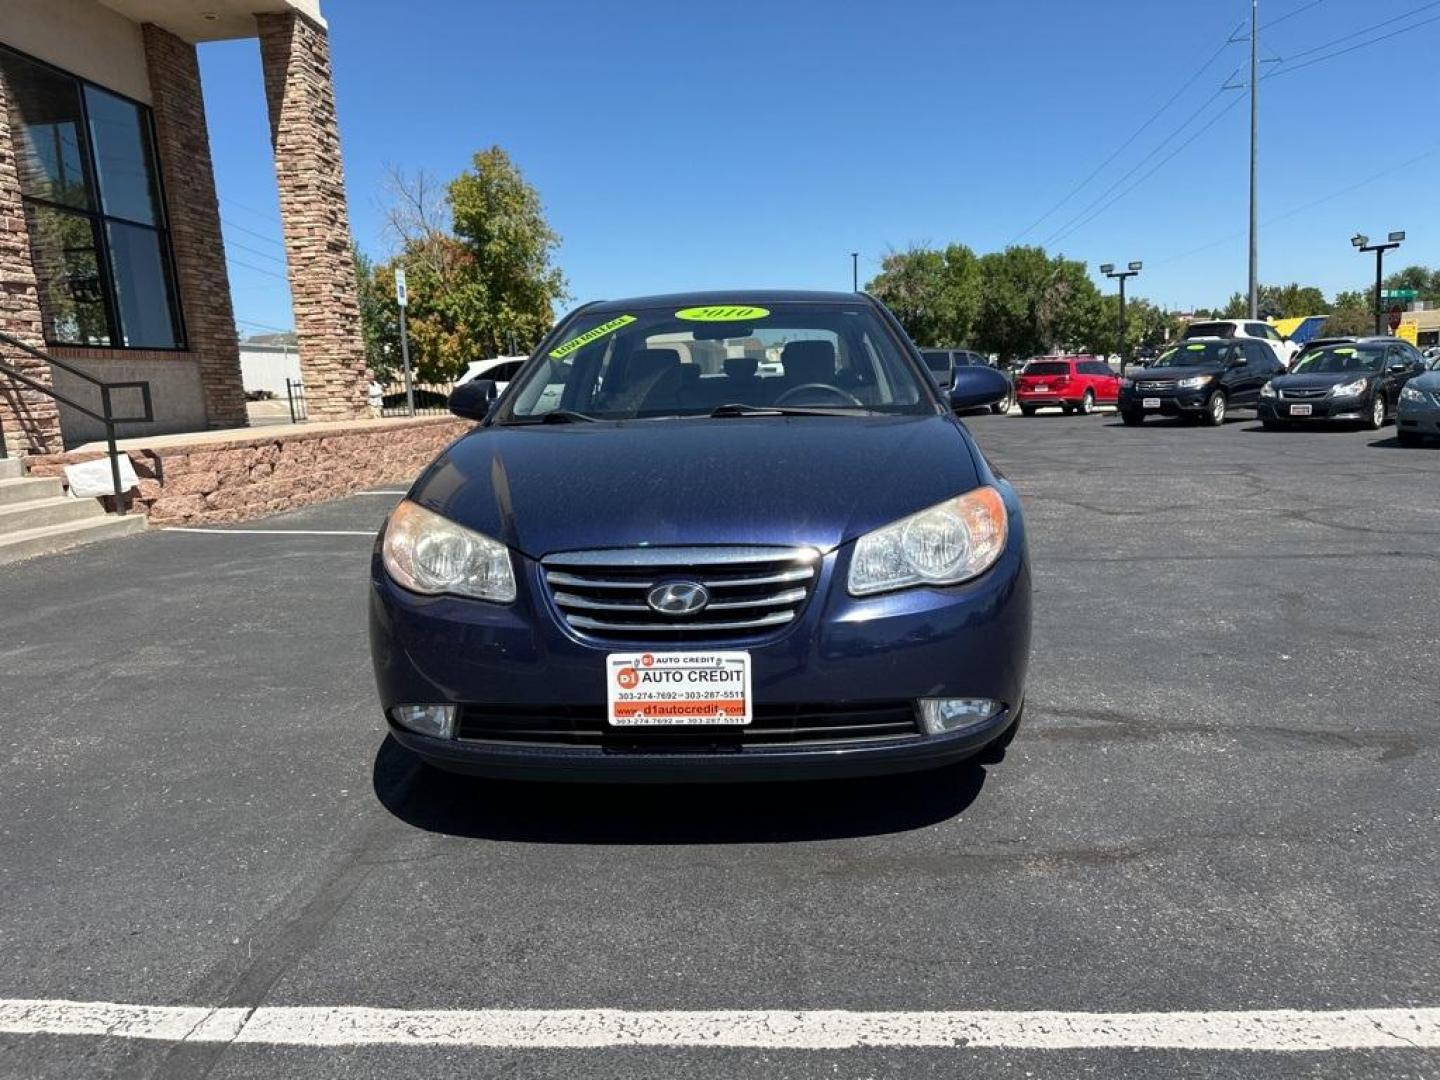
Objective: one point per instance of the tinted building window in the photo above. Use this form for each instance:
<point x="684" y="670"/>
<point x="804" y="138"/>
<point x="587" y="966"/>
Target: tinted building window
<point x="91" y="190"/>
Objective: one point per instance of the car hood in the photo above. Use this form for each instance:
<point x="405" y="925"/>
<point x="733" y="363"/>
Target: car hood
<point x="1319" y="380"/>
<point x="760" y="480"/>
<point x="1175" y="374"/>
<point x="1429" y="380"/>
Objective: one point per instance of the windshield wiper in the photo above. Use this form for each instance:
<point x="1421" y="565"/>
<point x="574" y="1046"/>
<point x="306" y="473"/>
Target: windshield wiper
<point x="554" y="416"/>
<point x="738" y="409"/>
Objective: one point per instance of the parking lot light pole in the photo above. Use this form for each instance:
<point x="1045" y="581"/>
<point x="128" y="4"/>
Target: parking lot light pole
<point x="1362" y="244"/>
<point x="1108" y="269"/>
<point x="854" y="271"/>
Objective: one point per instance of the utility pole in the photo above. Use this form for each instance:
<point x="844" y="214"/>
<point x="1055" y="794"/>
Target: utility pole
<point x="1361" y="243"/>
<point x="1254" y="170"/>
<point x="1108" y="269"/>
<point x="854" y="271"/>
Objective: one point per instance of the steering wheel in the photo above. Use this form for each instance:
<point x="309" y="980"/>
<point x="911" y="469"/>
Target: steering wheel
<point x="845" y="396"/>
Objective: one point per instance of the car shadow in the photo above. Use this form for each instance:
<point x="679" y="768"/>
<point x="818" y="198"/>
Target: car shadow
<point x="761" y="813"/>
<point x="1392" y="442"/>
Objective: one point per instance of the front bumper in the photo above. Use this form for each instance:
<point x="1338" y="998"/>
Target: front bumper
<point x="1171" y="402"/>
<point x="631" y="766"/>
<point x="1347" y="410"/>
<point x="970" y="640"/>
<point x="1418" y="419"/>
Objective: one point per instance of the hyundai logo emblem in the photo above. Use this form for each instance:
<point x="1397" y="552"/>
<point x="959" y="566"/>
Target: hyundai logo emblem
<point x="678" y="598"/>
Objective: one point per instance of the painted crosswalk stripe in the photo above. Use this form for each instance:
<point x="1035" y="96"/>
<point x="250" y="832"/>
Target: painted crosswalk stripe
<point x="1279" y="1030"/>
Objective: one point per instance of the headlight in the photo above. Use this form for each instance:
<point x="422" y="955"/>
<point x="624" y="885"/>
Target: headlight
<point x="1410" y="393"/>
<point x="1268" y="390"/>
<point x="944" y="545"/>
<point x="1351" y="389"/>
<point x="429" y="554"/>
<point x="1194" y="382"/>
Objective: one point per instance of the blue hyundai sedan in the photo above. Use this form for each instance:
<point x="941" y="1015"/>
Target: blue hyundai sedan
<point x="707" y="537"/>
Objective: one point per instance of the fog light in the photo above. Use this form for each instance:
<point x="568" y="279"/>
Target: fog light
<point x="437" y="721"/>
<point x="943" y="716"/>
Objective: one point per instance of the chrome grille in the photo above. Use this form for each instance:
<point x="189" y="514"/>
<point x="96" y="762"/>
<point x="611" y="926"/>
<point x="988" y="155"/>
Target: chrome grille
<point x="1152" y="386"/>
<point x="753" y="590"/>
<point x="1435" y="396"/>
<point x="1303" y="393"/>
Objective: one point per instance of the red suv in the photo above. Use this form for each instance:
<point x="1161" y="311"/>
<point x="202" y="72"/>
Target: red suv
<point x="1074" y="383"/>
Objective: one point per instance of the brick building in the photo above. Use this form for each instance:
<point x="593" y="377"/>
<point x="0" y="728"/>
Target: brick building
<point x="111" y="257"/>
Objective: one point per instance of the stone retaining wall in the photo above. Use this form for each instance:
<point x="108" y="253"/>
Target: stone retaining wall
<point x="251" y="475"/>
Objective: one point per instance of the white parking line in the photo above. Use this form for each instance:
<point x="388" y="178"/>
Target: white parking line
<point x="272" y="532"/>
<point x="379" y="493"/>
<point x="1279" y="1030"/>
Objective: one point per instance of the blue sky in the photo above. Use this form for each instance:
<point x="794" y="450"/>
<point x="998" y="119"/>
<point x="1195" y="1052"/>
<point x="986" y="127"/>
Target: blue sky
<point x="678" y="146"/>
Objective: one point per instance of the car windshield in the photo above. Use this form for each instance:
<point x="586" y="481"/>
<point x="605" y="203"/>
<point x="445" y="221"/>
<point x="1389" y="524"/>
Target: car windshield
<point x="1193" y="353"/>
<point x="1047" y="367"/>
<point x="1338" y="359"/>
<point x="692" y="360"/>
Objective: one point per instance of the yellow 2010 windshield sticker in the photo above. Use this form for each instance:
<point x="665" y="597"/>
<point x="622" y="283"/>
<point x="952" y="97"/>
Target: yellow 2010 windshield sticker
<point x="581" y="340"/>
<point x="721" y="313"/>
<point x="1344" y="352"/>
<point x="1195" y="348"/>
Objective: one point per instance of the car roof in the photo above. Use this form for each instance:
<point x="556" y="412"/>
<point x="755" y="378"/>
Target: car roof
<point x="757" y="297"/>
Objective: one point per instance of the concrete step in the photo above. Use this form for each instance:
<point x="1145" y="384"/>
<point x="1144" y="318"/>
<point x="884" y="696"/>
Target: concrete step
<point x="10" y="468"/>
<point x="28" y="543"/>
<point x="21" y="489"/>
<point x="38" y="513"/>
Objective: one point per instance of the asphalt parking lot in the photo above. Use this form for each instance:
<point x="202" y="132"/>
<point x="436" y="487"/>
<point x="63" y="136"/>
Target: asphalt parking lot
<point x="1224" y="798"/>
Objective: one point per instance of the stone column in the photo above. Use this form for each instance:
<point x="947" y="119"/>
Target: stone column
<point x="29" y="418"/>
<point x="193" y="211"/>
<point x="295" y="55"/>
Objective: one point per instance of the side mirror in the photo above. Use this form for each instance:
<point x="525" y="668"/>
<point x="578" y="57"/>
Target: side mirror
<point x="1397" y="367"/>
<point x="976" y="387"/>
<point x="1235" y="361"/>
<point x="473" y="400"/>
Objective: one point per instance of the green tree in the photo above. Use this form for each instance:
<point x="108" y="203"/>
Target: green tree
<point x="500" y="223"/>
<point x="1031" y="302"/>
<point x="1422" y="279"/>
<point x="379" y="324"/>
<point x="478" y="258"/>
<point x="935" y="294"/>
<point x="1279" y="302"/>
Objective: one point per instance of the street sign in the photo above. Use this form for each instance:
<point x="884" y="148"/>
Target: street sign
<point x="1399" y="294"/>
<point x="400" y="296"/>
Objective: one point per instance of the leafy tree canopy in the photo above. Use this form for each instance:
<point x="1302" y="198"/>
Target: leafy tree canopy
<point x="478" y="260"/>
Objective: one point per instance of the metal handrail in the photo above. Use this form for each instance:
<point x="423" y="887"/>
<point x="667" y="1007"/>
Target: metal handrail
<point x="106" y="415"/>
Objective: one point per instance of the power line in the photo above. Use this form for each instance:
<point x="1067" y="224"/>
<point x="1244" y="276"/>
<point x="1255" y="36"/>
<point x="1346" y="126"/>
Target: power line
<point x="267" y="215"/>
<point x="256" y="269"/>
<point x="1128" y="142"/>
<point x="1290" y="70"/>
<point x="1290" y="14"/>
<point x="1069" y="226"/>
<point x="266" y="326"/>
<point x="254" y="251"/>
<point x="1303" y="207"/>
<point x="1158" y="166"/>
<point x="1365" y="29"/>
<point x="251" y="232"/>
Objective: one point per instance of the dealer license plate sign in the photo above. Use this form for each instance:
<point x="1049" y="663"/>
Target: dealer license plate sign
<point x="665" y="689"/>
<point x="1150" y="403"/>
<point x="1300" y="410"/>
<point x="1042" y="389"/>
